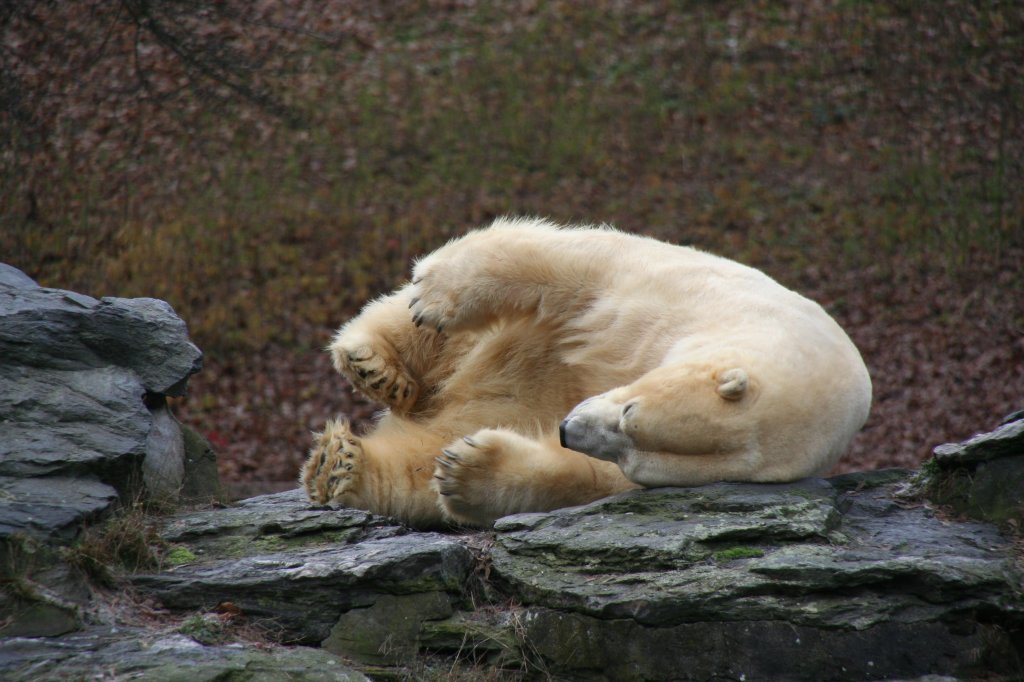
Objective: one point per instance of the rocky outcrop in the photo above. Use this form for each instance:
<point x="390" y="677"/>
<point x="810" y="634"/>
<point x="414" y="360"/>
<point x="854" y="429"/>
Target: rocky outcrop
<point x="981" y="477"/>
<point x="299" y="569"/>
<point x="851" y="578"/>
<point x="858" y="577"/>
<point x="84" y="427"/>
<point x="82" y="382"/>
<point x="107" y="652"/>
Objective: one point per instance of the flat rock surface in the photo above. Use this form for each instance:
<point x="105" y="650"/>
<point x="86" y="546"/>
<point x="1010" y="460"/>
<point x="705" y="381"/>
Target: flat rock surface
<point x="744" y="552"/>
<point x="103" y="653"/>
<point x="52" y="508"/>
<point x="272" y="523"/>
<point x="849" y="579"/>
<point x="279" y="559"/>
<point x="1006" y="440"/>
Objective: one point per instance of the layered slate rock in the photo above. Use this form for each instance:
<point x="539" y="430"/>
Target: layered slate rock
<point x="982" y="477"/>
<point x="272" y="524"/>
<point x="851" y="578"/>
<point x="297" y="569"/>
<point x="744" y="552"/>
<point x="843" y="580"/>
<point x="75" y="374"/>
<point x="136" y="653"/>
<point x="84" y="426"/>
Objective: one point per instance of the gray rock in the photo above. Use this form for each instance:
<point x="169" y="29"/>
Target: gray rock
<point x="585" y="648"/>
<point x="74" y="373"/>
<point x="293" y="566"/>
<point x="700" y="583"/>
<point x="51" y="328"/>
<point x="304" y="592"/>
<point x="43" y="596"/>
<point x="163" y="360"/>
<point x="1006" y="440"/>
<point x="82" y="385"/>
<point x="200" y="483"/>
<point x="73" y="422"/>
<point x="981" y="477"/>
<point x="163" y="469"/>
<point x="790" y="582"/>
<point x="662" y="557"/>
<point x="13" y="277"/>
<point x="51" y="509"/>
<point x="388" y="632"/>
<point x="118" y="653"/>
<point x="271" y="524"/>
<point x="665" y="570"/>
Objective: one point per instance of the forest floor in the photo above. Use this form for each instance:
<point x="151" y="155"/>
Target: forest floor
<point x="269" y="167"/>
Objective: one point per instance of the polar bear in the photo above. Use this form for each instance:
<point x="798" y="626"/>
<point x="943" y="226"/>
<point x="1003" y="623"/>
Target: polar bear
<point x="528" y="367"/>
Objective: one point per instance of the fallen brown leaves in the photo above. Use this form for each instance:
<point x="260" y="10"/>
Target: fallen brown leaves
<point x="945" y="351"/>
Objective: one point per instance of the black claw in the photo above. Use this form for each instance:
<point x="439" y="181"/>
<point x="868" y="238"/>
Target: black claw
<point x="440" y="328"/>
<point x="417" y="319"/>
<point x="440" y="478"/>
<point x="414" y="301"/>
<point x="443" y="462"/>
<point x="417" y="280"/>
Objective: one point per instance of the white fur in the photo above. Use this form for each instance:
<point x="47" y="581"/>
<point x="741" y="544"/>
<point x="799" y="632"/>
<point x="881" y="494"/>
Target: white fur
<point x="684" y="368"/>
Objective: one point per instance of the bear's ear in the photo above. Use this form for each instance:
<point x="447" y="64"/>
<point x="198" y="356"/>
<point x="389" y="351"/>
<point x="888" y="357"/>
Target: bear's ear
<point x="732" y="383"/>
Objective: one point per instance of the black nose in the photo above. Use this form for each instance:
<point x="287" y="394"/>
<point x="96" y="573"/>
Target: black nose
<point x="561" y="432"/>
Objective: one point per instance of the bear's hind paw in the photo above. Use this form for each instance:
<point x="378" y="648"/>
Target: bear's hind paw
<point x="466" y="477"/>
<point x="331" y="471"/>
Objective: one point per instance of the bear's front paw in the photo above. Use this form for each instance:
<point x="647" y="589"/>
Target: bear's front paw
<point x="448" y="295"/>
<point x="433" y="306"/>
<point x="332" y="471"/>
<point x="468" y="478"/>
<point x="371" y="372"/>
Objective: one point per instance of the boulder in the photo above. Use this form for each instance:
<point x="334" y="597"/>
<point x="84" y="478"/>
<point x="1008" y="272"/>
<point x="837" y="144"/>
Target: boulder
<point x="299" y="569"/>
<point x="981" y="477"/>
<point x="161" y="656"/>
<point x="78" y="377"/>
<point x="812" y="580"/>
<point x="84" y="428"/>
<point x="849" y="578"/>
